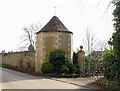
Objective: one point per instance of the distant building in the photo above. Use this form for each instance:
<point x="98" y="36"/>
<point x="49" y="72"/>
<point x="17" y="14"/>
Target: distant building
<point x="97" y="54"/>
<point x="54" y="35"/>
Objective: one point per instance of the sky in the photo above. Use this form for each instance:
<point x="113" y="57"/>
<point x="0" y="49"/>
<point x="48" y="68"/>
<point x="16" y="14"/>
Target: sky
<point x="76" y="15"/>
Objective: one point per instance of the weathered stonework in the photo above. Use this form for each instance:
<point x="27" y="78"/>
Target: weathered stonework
<point x="49" y="41"/>
<point x="81" y="60"/>
<point x="23" y="60"/>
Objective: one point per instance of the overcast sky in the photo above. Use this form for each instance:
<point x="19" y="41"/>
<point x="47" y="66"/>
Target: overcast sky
<point x="76" y="15"/>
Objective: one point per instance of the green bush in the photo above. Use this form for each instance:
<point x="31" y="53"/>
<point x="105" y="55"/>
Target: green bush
<point x="64" y="69"/>
<point x="47" y="68"/>
<point x="58" y="58"/>
<point x="59" y="65"/>
<point x="110" y="65"/>
<point x="78" y="69"/>
<point x="72" y="68"/>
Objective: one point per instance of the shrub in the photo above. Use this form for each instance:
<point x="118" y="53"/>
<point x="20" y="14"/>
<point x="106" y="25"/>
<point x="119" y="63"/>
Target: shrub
<point x="58" y="58"/>
<point x="72" y="68"/>
<point x="110" y="65"/>
<point x="78" y="69"/>
<point x="64" y="69"/>
<point x="47" y="67"/>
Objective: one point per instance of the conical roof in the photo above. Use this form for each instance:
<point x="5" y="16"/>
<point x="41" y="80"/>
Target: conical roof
<point x="54" y="25"/>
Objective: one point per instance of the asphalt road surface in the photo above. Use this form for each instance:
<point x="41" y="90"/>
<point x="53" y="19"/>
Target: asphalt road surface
<point x="17" y="80"/>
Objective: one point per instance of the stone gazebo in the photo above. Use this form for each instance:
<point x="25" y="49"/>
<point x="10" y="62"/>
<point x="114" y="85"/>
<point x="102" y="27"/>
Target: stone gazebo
<point x="52" y="36"/>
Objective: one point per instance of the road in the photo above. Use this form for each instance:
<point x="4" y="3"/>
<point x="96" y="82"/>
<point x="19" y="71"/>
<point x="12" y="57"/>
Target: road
<point x="16" y="80"/>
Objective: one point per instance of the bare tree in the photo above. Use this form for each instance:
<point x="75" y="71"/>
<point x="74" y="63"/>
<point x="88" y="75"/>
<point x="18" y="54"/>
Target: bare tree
<point x="101" y="45"/>
<point x="28" y="39"/>
<point x="89" y="41"/>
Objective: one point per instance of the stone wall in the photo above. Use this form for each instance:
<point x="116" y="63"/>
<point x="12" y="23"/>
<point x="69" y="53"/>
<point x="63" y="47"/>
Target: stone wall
<point x="48" y="41"/>
<point x="23" y="60"/>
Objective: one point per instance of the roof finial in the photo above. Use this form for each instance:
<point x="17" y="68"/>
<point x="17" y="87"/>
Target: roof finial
<point x="55" y="10"/>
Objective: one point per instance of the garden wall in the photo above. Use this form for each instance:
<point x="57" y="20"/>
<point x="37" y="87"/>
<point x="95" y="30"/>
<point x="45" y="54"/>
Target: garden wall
<point x="23" y="60"/>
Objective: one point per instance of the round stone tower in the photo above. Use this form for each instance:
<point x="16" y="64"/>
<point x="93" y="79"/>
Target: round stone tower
<point x="54" y="35"/>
